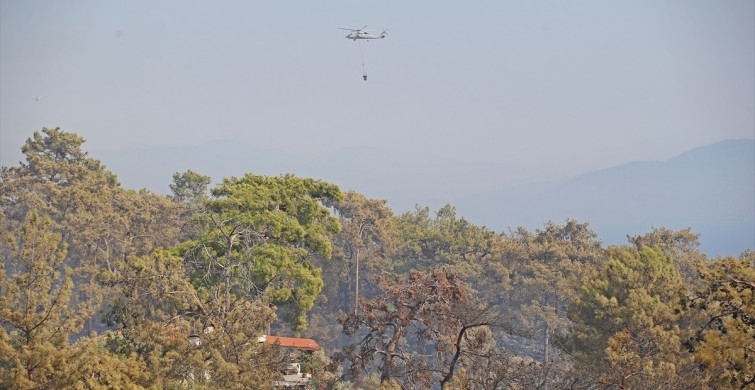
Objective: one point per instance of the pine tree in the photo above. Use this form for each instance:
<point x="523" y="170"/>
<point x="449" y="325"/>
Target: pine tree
<point x="626" y="317"/>
<point x="37" y="314"/>
<point x="725" y="341"/>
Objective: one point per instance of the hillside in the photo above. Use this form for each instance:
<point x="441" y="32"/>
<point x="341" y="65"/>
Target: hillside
<point x="711" y="188"/>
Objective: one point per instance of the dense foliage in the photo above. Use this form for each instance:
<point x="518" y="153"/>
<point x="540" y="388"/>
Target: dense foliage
<point x="104" y="287"/>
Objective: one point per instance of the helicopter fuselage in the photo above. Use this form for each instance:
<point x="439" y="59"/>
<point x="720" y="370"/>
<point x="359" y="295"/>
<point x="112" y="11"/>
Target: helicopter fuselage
<point x="363" y="35"/>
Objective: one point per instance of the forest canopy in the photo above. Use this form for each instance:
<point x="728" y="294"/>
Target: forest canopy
<point x="106" y="287"/>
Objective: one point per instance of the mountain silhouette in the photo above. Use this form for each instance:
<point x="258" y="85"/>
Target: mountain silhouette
<point x="710" y="189"/>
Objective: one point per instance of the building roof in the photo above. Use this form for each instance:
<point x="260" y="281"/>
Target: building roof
<point x="293" y="342"/>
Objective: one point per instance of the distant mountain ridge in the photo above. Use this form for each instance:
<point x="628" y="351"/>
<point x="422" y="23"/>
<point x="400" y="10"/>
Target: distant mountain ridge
<point x="710" y="189"/>
<point x="403" y="179"/>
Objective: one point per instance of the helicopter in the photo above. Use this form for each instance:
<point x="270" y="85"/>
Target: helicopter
<point x="359" y="33"/>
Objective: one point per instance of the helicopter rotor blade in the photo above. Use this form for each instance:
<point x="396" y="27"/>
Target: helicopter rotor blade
<point x="353" y="29"/>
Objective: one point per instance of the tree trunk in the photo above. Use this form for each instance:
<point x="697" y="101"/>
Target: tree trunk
<point x="547" y="344"/>
<point x="356" y="286"/>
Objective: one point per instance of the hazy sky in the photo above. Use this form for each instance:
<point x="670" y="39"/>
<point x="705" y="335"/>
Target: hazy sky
<point x="562" y="85"/>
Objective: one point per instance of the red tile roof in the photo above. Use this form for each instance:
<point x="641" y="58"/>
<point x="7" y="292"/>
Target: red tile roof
<point x="293" y="342"/>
